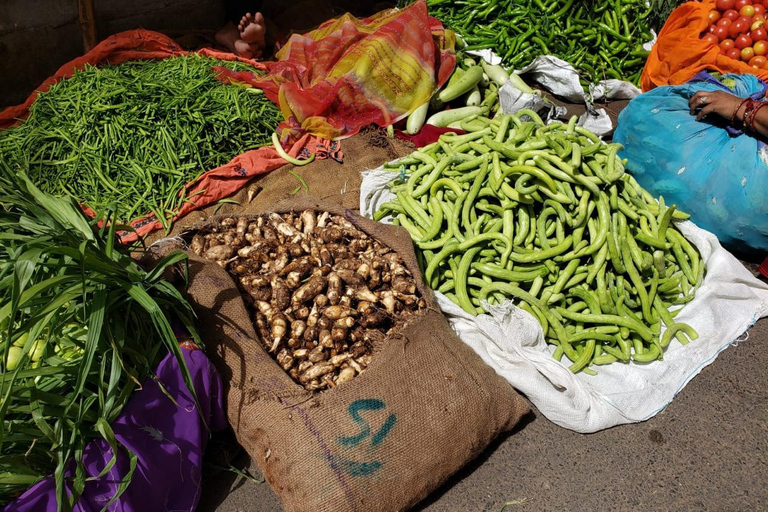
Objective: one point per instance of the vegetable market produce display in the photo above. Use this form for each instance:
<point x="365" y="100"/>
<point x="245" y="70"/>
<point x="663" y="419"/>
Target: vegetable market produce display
<point x="135" y="133"/>
<point x="546" y="215"/>
<point x="737" y="28"/>
<point x="80" y="326"/>
<point x="322" y="291"/>
<point x="472" y="91"/>
<point x="602" y="40"/>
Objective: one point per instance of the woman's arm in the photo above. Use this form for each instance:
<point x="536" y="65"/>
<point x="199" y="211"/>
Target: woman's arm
<point x="729" y="107"/>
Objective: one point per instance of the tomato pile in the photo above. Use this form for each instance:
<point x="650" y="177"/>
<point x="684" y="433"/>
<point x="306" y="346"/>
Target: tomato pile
<point x="737" y="27"/>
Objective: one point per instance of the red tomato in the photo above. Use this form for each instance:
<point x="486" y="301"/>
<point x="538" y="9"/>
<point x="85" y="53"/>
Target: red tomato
<point x="728" y="44"/>
<point x="758" y="17"/>
<point x="765" y="66"/>
<point x="745" y="19"/>
<point x="724" y="22"/>
<point x="731" y="14"/>
<point x="760" y="47"/>
<point x="737" y="28"/>
<point x="721" y="33"/>
<point x="743" y="41"/>
<point x="747" y="54"/>
<point x="714" y="15"/>
<point x="757" y="62"/>
<point x="759" y="34"/>
<point x="724" y="5"/>
<point x="711" y="38"/>
<point x="738" y="4"/>
<point x="759" y="9"/>
<point x="734" y="53"/>
<point x="747" y="10"/>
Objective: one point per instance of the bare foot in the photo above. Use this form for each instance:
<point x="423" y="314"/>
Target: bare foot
<point x="253" y="31"/>
<point x="229" y="37"/>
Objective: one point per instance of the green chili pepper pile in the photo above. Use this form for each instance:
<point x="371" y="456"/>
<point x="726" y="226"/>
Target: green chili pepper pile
<point x="134" y="134"/>
<point x="545" y="214"/>
<point x="600" y="39"/>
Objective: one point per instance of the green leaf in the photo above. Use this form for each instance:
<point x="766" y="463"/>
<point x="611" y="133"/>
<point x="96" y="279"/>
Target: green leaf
<point x="65" y="213"/>
<point x="109" y="436"/>
<point x="95" y="323"/>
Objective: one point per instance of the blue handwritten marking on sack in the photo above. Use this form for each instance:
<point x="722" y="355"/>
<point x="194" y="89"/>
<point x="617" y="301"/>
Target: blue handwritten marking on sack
<point x="379" y="437"/>
<point x="357" y="469"/>
<point x="355" y="410"/>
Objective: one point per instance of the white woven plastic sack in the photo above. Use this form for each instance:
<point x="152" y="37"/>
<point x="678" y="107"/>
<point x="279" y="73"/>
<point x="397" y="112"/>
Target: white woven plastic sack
<point x="511" y="341"/>
<point x="561" y="79"/>
<point x="513" y="101"/>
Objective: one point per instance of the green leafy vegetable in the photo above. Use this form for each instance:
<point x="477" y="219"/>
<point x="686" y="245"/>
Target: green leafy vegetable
<point x="81" y="324"/>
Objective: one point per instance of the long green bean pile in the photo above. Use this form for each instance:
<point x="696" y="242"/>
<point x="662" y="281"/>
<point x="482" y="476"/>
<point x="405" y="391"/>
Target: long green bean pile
<point x="601" y="39"/>
<point x="134" y="134"/>
<point x="80" y="326"/>
<point x="546" y="215"/>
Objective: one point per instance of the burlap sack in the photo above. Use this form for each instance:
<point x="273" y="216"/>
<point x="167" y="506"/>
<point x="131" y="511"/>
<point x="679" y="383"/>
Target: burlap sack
<point x="326" y="179"/>
<point x="425" y="406"/>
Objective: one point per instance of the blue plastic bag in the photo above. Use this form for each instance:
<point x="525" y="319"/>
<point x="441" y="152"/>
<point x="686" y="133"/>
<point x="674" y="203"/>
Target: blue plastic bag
<point x="714" y="172"/>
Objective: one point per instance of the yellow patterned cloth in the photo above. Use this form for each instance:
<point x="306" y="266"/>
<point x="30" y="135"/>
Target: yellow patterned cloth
<point x="351" y="72"/>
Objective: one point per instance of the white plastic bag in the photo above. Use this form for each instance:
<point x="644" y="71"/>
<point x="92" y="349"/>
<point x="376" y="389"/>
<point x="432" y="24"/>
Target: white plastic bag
<point x="511" y="341"/>
<point x="561" y="79"/>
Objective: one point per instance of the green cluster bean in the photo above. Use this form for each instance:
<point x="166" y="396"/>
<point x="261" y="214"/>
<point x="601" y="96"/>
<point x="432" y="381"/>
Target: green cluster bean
<point x="560" y="228"/>
<point x="136" y="133"/>
<point x="601" y="39"/>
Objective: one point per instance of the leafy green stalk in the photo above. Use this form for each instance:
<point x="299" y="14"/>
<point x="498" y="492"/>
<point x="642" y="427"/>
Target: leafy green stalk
<point x="81" y="325"/>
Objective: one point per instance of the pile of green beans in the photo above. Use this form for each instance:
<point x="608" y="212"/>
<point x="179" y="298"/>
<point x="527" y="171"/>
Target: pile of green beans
<point x="545" y="215"/>
<point x="134" y="134"/>
<point x="601" y="39"/>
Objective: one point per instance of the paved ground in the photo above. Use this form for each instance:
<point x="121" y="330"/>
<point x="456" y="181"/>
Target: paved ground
<point x="707" y="451"/>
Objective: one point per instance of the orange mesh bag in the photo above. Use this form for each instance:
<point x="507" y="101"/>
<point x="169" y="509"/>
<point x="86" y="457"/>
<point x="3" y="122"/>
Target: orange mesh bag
<point x="211" y="186"/>
<point x="680" y="53"/>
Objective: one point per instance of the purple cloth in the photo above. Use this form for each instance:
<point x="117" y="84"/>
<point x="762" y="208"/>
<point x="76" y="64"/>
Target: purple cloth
<point x="169" y="441"/>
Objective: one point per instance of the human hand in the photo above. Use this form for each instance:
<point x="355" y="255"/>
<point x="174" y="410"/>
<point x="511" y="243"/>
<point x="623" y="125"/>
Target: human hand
<point x="713" y="102"/>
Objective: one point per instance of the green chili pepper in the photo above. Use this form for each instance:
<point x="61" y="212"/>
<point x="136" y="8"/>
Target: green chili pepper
<point x="562" y="238"/>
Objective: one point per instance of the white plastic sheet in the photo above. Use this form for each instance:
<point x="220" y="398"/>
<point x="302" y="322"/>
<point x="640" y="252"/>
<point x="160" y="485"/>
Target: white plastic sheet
<point x="511" y="341"/>
<point x="561" y="79"/>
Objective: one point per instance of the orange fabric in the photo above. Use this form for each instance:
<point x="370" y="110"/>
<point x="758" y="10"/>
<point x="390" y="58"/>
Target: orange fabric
<point x="680" y="53"/>
<point x="210" y="187"/>
<point x="351" y="72"/>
